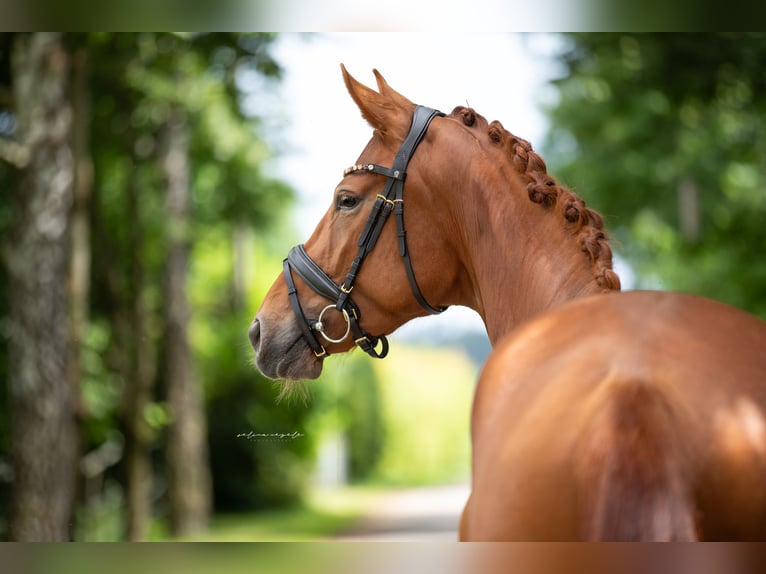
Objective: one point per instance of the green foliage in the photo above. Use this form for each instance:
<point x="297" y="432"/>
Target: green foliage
<point x="426" y="395"/>
<point x="405" y="420"/>
<point x="665" y="134"/>
<point x="362" y="406"/>
<point x="252" y="468"/>
<point x="100" y="387"/>
<point x="140" y="82"/>
<point x="347" y="399"/>
<point x="100" y="519"/>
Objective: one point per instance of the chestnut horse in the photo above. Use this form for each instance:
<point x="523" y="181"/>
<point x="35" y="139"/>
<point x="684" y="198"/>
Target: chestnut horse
<point x="599" y="415"/>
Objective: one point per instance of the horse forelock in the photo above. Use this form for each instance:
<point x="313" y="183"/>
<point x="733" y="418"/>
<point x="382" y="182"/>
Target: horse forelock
<point x="585" y="223"/>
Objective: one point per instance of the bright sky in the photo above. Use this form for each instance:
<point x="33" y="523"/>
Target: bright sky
<point x="502" y="76"/>
<point x="321" y="131"/>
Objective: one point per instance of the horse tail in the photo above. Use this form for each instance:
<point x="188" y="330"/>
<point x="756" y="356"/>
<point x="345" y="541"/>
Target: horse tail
<point x="634" y="469"/>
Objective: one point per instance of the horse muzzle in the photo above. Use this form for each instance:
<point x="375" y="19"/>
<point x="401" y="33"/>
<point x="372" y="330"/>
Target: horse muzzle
<point x="281" y="351"/>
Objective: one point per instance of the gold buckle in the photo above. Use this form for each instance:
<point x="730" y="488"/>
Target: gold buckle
<point x="384" y="198"/>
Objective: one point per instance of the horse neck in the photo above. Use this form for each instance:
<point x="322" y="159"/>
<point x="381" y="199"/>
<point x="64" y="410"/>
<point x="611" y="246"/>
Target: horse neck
<point x="524" y="259"/>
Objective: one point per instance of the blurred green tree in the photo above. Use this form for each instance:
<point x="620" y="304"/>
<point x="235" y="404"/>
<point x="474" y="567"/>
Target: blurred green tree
<point x="155" y="118"/>
<point x="665" y="135"/>
<point x="362" y="406"/>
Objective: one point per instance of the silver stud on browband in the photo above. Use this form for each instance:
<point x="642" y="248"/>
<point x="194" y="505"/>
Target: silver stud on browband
<point x="358" y="167"/>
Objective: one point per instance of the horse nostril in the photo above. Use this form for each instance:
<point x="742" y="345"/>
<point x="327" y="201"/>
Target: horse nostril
<point x="254" y="333"/>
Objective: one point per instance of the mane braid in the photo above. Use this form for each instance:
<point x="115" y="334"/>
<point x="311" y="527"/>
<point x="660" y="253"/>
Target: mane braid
<point x="585" y="223"/>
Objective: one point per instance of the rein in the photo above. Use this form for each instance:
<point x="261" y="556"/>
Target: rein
<point x="391" y="199"/>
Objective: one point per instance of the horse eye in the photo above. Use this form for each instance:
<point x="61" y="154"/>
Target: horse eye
<point x="347" y="201"/>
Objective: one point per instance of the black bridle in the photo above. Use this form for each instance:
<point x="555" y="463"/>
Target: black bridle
<point x="389" y="200"/>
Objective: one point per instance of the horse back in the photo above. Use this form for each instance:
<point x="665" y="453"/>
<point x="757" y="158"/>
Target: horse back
<point x="634" y="416"/>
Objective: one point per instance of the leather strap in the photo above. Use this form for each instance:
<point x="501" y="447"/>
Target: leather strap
<point x="308" y="333"/>
<point x="391" y="199"/>
<point x="312" y="274"/>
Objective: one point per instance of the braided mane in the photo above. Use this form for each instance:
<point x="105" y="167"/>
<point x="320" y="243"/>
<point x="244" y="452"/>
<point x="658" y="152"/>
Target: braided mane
<point x="585" y="224"/>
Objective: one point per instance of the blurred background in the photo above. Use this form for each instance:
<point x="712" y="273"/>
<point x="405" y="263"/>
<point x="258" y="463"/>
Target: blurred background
<point x="150" y="185"/>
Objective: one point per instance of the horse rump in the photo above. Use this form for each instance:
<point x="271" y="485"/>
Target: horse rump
<point x="633" y="468"/>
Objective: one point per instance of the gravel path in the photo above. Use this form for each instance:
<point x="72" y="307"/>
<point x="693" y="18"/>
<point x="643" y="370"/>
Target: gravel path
<point x="412" y="514"/>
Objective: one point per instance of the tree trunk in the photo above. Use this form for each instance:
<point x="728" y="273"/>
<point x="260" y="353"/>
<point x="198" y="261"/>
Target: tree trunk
<point x="189" y="483"/>
<point x="79" y="259"/>
<point x="79" y="271"/>
<point x="689" y="210"/>
<point x="44" y="432"/>
<point x="140" y="376"/>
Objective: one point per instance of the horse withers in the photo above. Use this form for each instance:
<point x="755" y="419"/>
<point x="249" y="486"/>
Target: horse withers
<point x="600" y="414"/>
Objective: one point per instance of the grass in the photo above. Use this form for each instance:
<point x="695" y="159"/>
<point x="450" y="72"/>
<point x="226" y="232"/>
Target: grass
<point x="324" y="515"/>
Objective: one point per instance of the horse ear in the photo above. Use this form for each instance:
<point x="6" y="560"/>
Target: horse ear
<point x="388" y="91"/>
<point x="381" y="110"/>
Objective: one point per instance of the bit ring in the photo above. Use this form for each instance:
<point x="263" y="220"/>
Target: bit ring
<point x="319" y="325"/>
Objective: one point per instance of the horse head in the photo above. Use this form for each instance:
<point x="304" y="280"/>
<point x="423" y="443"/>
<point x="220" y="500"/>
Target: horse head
<point x="347" y="285"/>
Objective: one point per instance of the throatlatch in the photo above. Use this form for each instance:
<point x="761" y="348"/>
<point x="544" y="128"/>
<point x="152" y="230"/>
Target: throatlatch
<point x="391" y="199"/>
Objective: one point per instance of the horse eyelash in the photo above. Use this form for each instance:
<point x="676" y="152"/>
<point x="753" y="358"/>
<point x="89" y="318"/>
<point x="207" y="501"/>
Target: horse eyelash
<point x="346" y="195"/>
